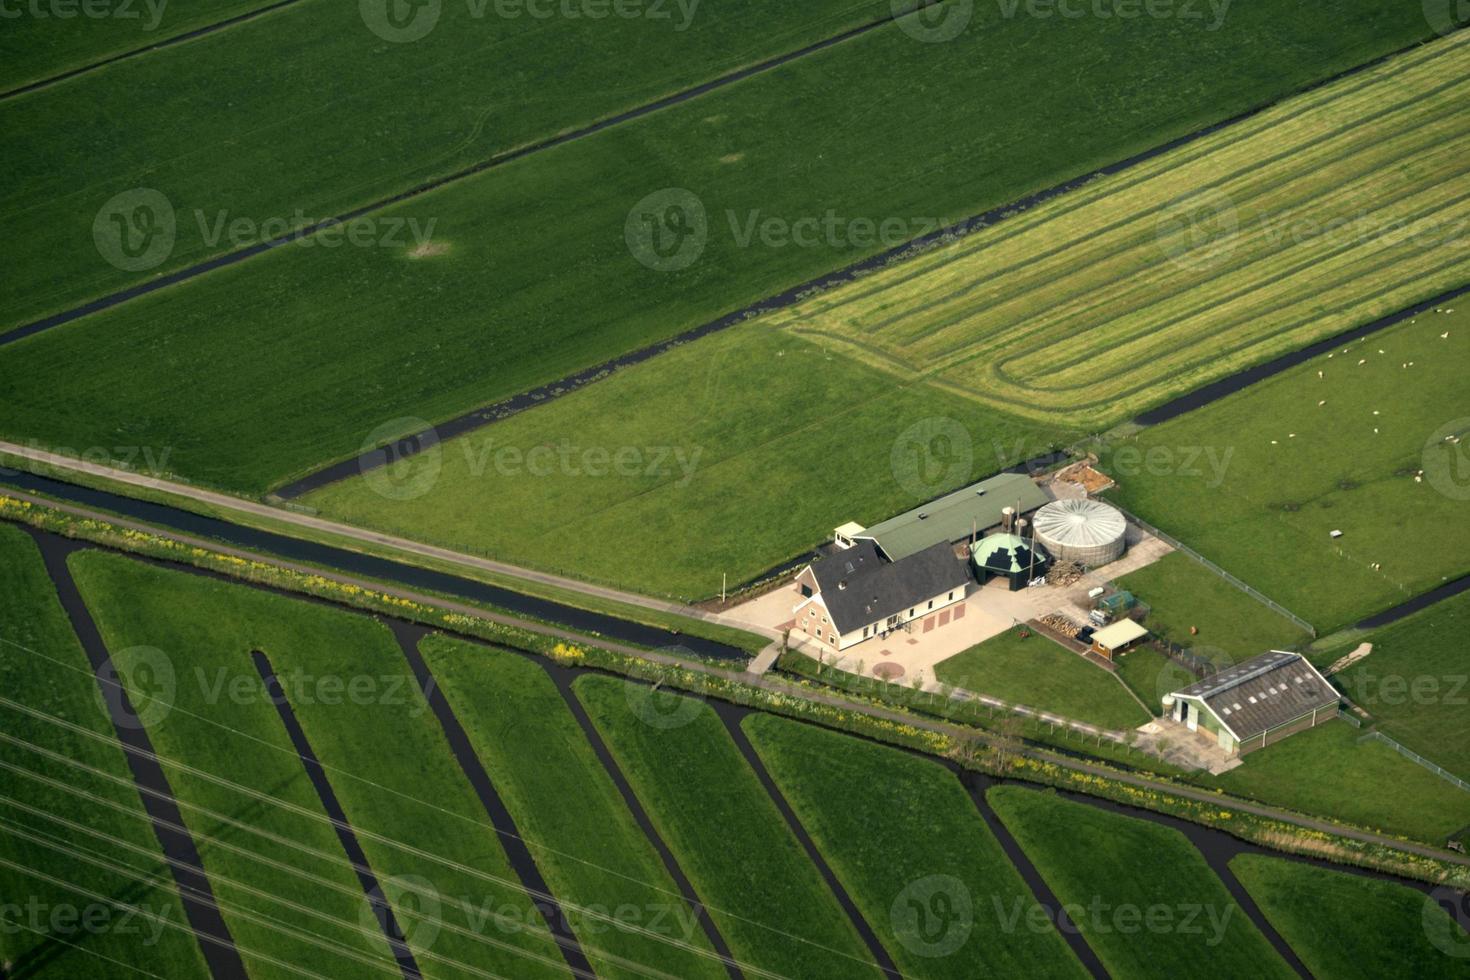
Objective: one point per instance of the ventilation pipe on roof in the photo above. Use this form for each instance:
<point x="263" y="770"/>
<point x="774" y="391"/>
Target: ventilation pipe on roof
<point x="1007" y="515"/>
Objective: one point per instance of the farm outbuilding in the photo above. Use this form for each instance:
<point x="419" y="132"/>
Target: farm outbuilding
<point x="952" y="518"/>
<point x="1255" y="703"/>
<point x="1085" y="531"/>
<point x="1112" y="640"/>
<point x="1010" y="556"/>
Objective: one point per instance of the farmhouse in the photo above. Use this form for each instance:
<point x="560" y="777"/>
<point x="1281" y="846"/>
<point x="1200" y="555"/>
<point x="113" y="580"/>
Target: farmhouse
<point x="1257" y="702"/>
<point x="955" y="517"/>
<point x="857" y="593"/>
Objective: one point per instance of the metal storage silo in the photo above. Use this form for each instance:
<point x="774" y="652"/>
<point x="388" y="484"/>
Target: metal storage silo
<point x="1086" y="531"/>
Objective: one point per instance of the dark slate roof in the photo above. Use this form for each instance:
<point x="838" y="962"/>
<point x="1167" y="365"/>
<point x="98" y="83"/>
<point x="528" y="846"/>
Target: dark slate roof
<point x="860" y="588"/>
<point x="1264" y="692"/>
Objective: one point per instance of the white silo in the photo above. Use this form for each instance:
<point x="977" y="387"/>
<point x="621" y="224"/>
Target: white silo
<point x="1086" y="531"/>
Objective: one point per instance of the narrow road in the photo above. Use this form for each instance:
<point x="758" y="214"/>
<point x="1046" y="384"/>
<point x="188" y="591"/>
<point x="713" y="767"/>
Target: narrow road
<point x="785" y="688"/>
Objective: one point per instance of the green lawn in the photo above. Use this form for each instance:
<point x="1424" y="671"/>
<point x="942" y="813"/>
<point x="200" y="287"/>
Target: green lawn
<point x="1327" y="771"/>
<point x="1040" y="673"/>
<point x="724" y="422"/>
<point x="1346" y="926"/>
<point x="181" y="643"/>
<point x="302" y="354"/>
<point x="769" y="903"/>
<point x="33" y="48"/>
<point x="1258" y="480"/>
<point x="1140" y="893"/>
<point x="424" y="832"/>
<point x="585" y="841"/>
<point x="1415" y="682"/>
<point x="307" y="113"/>
<point x="897" y="829"/>
<point x="43" y="668"/>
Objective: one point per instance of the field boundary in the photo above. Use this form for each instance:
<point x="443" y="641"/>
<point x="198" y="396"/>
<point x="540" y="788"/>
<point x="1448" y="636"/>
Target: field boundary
<point x="1415" y="757"/>
<point x="1249" y="590"/>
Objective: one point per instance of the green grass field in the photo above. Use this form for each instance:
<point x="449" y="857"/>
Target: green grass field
<point x="308" y="113"/>
<point x="1295" y="470"/>
<point x="741" y="430"/>
<point x="90" y="811"/>
<point x="1041" y="674"/>
<point x="1328" y="772"/>
<point x="584" y="839"/>
<point x="538" y="280"/>
<point x="1346" y="926"/>
<point x="1415" y="683"/>
<point x="1140" y="893"/>
<point x="424" y="832"/>
<point x="33" y="48"/>
<point x="896" y="830"/>
<point x="180" y="642"/>
<point x="1149" y="283"/>
<point x="769" y="903"/>
<point x="1231" y="625"/>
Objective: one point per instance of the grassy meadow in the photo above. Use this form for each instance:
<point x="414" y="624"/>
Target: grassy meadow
<point x="1143" y="896"/>
<point x="768" y="901"/>
<point x="1298" y="456"/>
<point x="1353" y="928"/>
<point x="1416" y="683"/>
<point x="261" y="372"/>
<point x="582" y="835"/>
<point x="51" y="834"/>
<point x="734" y="444"/>
<point x="1215" y="256"/>
<point x="1041" y="674"/>
<point x="885" y="820"/>
<point x="182" y="645"/>
<point x="1329" y="771"/>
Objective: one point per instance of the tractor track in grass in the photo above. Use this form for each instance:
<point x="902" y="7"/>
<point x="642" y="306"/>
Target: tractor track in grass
<point x="498" y="160"/>
<point x="168" y="42"/>
<point x="517" y="853"/>
<point x="371" y="888"/>
<point x="730" y="716"/>
<point x="182" y="855"/>
<point x="485" y="415"/>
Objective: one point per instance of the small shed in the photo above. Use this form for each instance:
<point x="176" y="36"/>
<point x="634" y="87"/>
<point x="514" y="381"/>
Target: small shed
<point x="1010" y="556"/>
<point x="1120" y="636"/>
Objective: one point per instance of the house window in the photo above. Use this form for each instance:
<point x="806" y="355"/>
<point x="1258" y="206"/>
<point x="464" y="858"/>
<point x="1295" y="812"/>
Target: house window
<point x="865" y="632"/>
<point x="806" y="591"/>
<point x="931" y="603"/>
<point x="951" y="596"/>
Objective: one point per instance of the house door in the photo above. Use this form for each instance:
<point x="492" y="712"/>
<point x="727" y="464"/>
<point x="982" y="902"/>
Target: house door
<point x="1193" y="720"/>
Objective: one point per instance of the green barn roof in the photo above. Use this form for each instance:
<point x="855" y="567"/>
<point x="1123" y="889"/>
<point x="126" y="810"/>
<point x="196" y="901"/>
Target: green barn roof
<point x="952" y="516"/>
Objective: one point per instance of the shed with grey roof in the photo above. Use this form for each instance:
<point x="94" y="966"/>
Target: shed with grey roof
<point x="1257" y="702"/>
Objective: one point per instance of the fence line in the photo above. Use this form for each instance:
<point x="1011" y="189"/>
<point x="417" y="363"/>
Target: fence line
<point x="1254" y="593"/>
<point x="1413" y="756"/>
